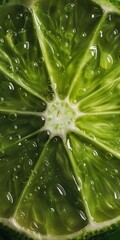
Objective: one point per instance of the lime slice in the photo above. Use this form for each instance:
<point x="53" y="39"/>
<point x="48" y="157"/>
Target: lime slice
<point x="60" y="118"/>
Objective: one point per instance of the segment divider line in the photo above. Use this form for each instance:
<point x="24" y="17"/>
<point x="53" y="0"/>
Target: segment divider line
<point x="94" y="93"/>
<point x="12" y="111"/>
<point x="31" y="176"/>
<point x="96" y="142"/>
<point x="70" y="155"/>
<point x="22" y="139"/>
<point x="99" y="113"/>
<point x="19" y="82"/>
<point x="41" y="40"/>
<point x="85" y="58"/>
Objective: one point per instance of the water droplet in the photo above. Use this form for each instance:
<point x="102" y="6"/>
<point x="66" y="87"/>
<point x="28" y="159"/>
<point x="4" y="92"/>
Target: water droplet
<point x="74" y="30"/>
<point x="109" y="156"/>
<point x="81" y="91"/>
<point x="101" y="34"/>
<point x="58" y="64"/>
<point x="114" y="172"/>
<point x="2" y="99"/>
<point x="29" y="195"/>
<point x="55" y="139"/>
<point x="61" y="190"/>
<point x="76" y="183"/>
<point x="13" y="116"/>
<point x="52" y="209"/>
<point x="41" y="60"/>
<point x="83" y="215"/>
<point x="74" y="101"/>
<point x="106" y="61"/>
<point x="37" y="189"/>
<point x="95" y="153"/>
<point x="92" y="182"/>
<point x="10" y="197"/>
<point x="66" y="16"/>
<point x="36" y="154"/>
<point x="43" y="105"/>
<point x="117" y="195"/>
<point x="35" y="64"/>
<point x="49" y="88"/>
<point x="18" y="166"/>
<point x="17" y="60"/>
<point x="19" y="144"/>
<point x="50" y="97"/>
<point x="11" y="86"/>
<point x="29" y="183"/>
<point x="92" y="136"/>
<point x="19" y="16"/>
<point x="24" y="95"/>
<point x="110" y="17"/>
<point x="30" y="162"/>
<point x="33" y="226"/>
<point x="93" y="16"/>
<point x="66" y="44"/>
<point x="22" y="214"/>
<point x="34" y="144"/>
<point x="8" y="16"/>
<point x="115" y="31"/>
<point x="26" y="45"/>
<point x="15" y="34"/>
<point x="3" y="117"/>
<point x="69" y="144"/>
<point x="69" y="7"/>
<point x="93" y="50"/>
<point x="62" y="29"/>
<point x="34" y="173"/>
<point x="15" y="127"/>
<point x="109" y="59"/>
<point x="15" y="177"/>
<point x="1" y="40"/>
<point x="84" y="34"/>
<point x="106" y="169"/>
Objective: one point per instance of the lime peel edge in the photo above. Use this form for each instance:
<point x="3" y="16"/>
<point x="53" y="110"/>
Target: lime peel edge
<point x="93" y="227"/>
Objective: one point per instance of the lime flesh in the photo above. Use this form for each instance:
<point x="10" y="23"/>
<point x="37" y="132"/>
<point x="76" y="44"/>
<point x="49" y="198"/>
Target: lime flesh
<point x="59" y="118"/>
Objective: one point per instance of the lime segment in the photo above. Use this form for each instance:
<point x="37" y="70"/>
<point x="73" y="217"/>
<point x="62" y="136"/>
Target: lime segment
<point x="104" y="99"/>
<point x="99" y="173"/>
<point x="17" y="51"/>
<point x="64" y="38"/>
<point x="99" y="65"/>
<point x="23" y="102"/>
<point x="53" y="193"/>
<point x="20" y="146"/>
<point x="96" y="128"/>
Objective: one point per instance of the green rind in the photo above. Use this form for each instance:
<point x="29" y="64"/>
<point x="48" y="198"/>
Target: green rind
<point x="7" y="233"/>
<point x="102" y="235"/>
<point x="105" y="233"/>
<point x="48" y="57"/>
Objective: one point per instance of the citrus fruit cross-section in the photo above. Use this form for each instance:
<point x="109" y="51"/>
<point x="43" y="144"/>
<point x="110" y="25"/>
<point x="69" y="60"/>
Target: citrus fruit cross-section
<point x="60" y="118"/>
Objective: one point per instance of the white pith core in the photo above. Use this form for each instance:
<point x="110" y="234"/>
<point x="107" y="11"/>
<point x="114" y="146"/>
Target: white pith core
<point x="60" y="117"/>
